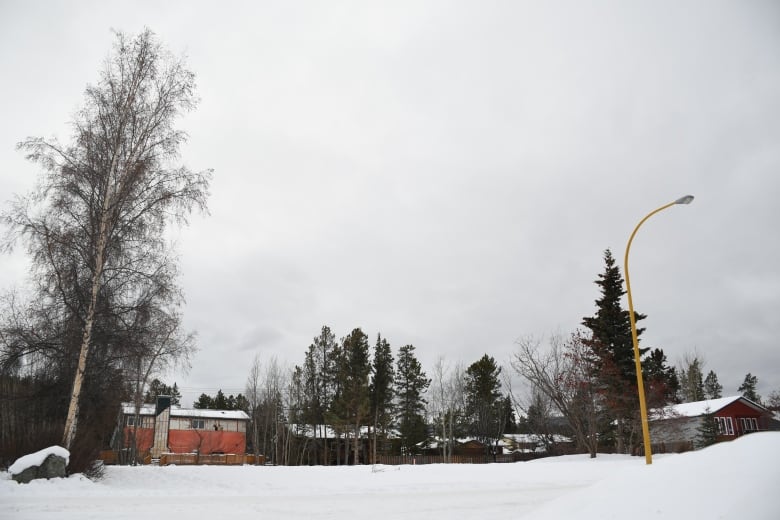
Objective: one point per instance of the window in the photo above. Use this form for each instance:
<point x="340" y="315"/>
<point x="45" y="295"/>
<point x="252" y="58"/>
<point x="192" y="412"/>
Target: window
<point x="725" y="425"/>
<point x="130" y="421"/>
<point x="749" y="424"/>
<point x="198" y="424"/>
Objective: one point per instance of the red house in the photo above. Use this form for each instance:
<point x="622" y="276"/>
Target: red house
<point x="676" y="427"/>
<point x="163" y="428"/>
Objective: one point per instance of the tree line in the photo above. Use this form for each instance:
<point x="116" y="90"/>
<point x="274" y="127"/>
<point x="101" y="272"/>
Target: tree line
<point x="345" y="390"/>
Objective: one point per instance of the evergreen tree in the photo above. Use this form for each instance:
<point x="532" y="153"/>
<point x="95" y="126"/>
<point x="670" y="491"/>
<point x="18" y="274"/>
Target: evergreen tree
<point x="381" y="387"/>
<point x="352" y="402"/>
<point x="175" y="395"/>
<point x="410" y="386"/>
<point x="204" y="402"/>
<point x="220" y="401"/>
<point x="748" y="388"/>
<point x="613" y="347"/>
<point x="507" y="415"/>
<point x="662" y="384"/>
<point x="157" y="387"/>
<point x="319" y="376"/>
<point x="712" y="388"/>
<point x="691" y="381"/>
<point x="484" y="402"/>
<point x="241" y="403"/>
<point x="707" y="431"/>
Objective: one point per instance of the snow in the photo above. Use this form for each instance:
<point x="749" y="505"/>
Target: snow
<point x="37" y="458"/>
<point x="698" y="408"/>
<point x="149" y="409"/>
<point x="727" y="480"/>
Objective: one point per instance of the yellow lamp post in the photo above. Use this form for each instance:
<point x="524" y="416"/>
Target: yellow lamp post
<point x="639" y="381"/>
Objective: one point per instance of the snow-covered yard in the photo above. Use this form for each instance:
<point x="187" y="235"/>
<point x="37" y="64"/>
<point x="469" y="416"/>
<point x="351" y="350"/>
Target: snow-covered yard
<point x="729" y="480"/>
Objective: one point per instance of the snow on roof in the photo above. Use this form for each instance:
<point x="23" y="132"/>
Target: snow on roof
<point x="699" y="408"/>
<point x="37" y="458"/>
<point x="149" y="409"/>
<point x="323" y="430"/>
<point x="533" y="437"/>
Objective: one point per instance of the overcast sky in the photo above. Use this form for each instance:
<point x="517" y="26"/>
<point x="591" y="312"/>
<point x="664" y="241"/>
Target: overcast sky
<point x="447" y="174"/>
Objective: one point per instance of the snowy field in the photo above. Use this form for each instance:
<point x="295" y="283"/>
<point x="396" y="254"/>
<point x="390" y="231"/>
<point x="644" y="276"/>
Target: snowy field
<point x="739" y="479"/>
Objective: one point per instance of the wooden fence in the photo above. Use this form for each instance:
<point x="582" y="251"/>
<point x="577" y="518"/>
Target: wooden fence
<point x="183" y="459"/>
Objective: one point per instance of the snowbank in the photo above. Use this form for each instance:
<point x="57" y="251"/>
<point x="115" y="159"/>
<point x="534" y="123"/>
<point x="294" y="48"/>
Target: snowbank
<point x="727" y="480"/>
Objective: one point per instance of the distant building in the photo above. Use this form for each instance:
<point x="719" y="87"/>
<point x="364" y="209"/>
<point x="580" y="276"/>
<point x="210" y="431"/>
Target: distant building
<point x="675" y="428"/>
<point x="536" y="443"/>
<point x="162" y="428"/>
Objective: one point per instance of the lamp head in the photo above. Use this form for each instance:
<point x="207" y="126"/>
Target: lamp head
<point x="684" y="200"/>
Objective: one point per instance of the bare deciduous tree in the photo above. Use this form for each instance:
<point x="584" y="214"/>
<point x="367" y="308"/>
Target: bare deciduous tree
<point x="253" y="393"/>
<point x="447" y="402"/>
<point x="563" y="372"/>
<point x="97" y="221"/>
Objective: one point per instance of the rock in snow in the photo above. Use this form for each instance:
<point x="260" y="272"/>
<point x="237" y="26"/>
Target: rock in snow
<point x="47" y="463"/>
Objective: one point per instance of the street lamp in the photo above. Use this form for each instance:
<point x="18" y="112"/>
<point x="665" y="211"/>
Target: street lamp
<point x="639" y="382"/>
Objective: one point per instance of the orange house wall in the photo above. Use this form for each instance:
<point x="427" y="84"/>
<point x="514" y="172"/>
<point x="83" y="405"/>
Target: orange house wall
<point x="144" y="438"/>
<point x="206" y="441"/>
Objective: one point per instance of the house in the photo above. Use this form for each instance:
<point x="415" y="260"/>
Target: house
<point x="161" y="428"/>
<point x="675" y="428"/>
<point x="326" y="444"/>
<point x="532" y="443"/>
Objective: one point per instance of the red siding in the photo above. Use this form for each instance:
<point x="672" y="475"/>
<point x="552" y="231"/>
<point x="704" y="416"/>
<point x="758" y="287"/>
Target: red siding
<point x="206" y="441"/>
<point x="738" y="410"/>
<point x="144" y="438"/>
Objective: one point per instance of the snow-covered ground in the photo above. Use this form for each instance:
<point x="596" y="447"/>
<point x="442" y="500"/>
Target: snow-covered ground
<point x="739" y="479"/>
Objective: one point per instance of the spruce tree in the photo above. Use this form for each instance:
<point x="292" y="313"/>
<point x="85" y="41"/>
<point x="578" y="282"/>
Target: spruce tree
<point x="613" y="347"/>
<point x="748" y="388"/>
<point x="712" y="388"/>
<point x="661" y="384"/>
<point x="707" y="431"/>
<point x="352" y="402"/>
<point x="691" y="381"/>
<point x="381" y="388"/>
<point x="175" y="395"/>
<point x="319" y="376"/>
<point x="410" y="386"/>
<point x="220" y="401"/>
<point x="204" y="402"/>
<point x="157" y="387"/>
<point x="485" y="408"/>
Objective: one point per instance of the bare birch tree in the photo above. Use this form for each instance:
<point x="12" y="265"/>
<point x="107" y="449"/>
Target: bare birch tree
<point x="253" y="393"/>
<point x="447" y="402"/>
<point x="105" y="200"/>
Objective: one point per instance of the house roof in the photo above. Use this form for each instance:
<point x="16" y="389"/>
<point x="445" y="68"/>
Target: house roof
<point x="324" y="430"/>
<point x="530" y="438"/>
<point x="149" y="409"/>
<point x="699" y="408"/>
